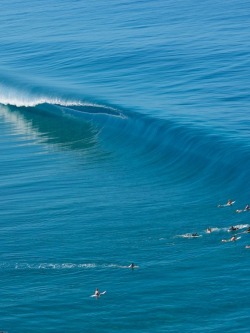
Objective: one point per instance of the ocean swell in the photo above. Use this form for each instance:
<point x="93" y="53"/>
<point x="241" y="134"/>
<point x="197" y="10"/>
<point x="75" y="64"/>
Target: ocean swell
<point x="170" y="146"/>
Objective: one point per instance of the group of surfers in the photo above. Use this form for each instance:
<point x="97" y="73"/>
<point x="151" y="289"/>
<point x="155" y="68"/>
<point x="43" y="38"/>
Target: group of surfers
<point x="233" y="228"/>
<point x="209" y="230"/>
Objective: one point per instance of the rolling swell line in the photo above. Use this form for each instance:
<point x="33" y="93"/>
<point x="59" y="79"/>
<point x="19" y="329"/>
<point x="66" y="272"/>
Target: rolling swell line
<point x="166" y="144"/>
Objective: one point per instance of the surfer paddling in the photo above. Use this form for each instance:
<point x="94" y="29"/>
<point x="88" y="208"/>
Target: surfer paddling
<point x="229" y="203"/>
<point x="246" y="209"/>
<point x="232" y="239"/>
<point x="233" y="228"/>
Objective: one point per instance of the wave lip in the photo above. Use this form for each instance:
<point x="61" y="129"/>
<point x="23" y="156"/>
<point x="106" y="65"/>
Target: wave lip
<point x="72" y="104"/>
<point x="18" y="97"/>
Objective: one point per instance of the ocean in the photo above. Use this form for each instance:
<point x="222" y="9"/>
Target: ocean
<point x="125" y="130"/>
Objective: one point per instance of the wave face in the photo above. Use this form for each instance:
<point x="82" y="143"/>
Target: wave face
<point x="184" y="151"/>
<point x="124" y="131"/>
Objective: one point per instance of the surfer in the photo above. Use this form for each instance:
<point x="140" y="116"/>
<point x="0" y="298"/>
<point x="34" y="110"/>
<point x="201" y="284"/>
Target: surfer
<point x="247" y="208"/>
<point x="232" y="228"/>
<point x="209" y="230"/>
<point x="229" y="203"/>
<point x="195" y="235"/>
<point x="97" y="293"/>
<point x="232" y="239"/>
<point x="132" y="266"/>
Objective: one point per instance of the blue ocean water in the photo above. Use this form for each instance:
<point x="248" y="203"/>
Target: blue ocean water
<point x="123" y="126"/>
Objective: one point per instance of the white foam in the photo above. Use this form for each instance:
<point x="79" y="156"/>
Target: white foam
<point x="59" y="266"/>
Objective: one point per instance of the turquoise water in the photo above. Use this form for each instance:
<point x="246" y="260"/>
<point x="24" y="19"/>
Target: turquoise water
<point x="123" y="126"/>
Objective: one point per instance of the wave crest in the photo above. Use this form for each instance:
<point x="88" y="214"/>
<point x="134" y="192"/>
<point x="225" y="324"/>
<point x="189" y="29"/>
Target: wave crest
<point x="20" y="98"/>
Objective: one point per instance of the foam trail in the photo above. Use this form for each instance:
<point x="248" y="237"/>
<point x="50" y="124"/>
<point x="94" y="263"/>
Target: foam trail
<point x="58" y="266"/>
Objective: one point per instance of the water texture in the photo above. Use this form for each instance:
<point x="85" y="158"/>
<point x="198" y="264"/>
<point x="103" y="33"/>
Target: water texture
<point x="124" y="124"/>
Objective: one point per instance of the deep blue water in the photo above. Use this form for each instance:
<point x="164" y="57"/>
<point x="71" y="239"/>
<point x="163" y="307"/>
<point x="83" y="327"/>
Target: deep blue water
<point x="123" y="126"/>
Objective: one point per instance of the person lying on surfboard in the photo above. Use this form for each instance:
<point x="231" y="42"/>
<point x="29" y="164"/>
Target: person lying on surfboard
<point x="246" y="209"/>
<point x="232" y="239"/>
<point x="229" y="203"/>
<point x="232" y="228"/>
